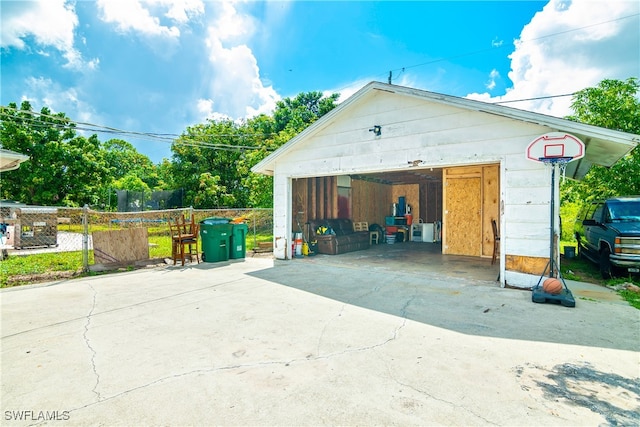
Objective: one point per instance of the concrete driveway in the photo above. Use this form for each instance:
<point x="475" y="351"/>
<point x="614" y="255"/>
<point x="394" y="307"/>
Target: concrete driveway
<point x="315" y="341"/>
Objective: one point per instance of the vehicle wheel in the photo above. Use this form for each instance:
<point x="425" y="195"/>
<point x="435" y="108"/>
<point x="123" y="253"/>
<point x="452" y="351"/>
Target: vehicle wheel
<point x="606" y="270"/>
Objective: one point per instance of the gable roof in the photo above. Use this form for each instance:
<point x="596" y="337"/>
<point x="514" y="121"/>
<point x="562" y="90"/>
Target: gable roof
<point x="598" y="140"/>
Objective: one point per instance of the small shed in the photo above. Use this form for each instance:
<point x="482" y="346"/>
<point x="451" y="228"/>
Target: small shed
<point x="459" y="163"/>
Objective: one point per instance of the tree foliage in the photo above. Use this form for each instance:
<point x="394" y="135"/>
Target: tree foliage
<point x="613" y="104"/>
<point x="211" y="161"/>
<point x="297" y="113"/>
<point x="207" y="154"/>
<point x="63" y="168"/>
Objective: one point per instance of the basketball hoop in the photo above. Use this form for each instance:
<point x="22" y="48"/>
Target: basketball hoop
<point x="555" y="147"/>
<point x="554" y="150"/>
<point x="561" y="162"/>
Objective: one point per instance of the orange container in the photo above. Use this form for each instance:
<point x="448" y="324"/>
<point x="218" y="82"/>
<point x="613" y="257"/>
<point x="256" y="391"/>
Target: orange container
<point x="409" y="218"/>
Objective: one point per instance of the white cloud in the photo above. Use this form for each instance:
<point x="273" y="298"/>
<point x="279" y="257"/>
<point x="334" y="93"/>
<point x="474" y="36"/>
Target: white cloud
<point x="206" y="111"/>
<point x="50" y="22"/>
<point x="493" y="75"/>
<point x="44" y="92"/>
<point x="235" y="84"/>
<point x="568" y="46"/>
<point x="230" y="24"/>
<point x="157" y="22"/>
<point x="347" y="91"/>
<point x="131" y="15"/>
<point x="182" y="11"/>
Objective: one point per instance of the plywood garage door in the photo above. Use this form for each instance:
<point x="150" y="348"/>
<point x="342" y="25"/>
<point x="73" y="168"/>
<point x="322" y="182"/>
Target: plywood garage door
<point x="462" y="226"/>
<point x="471" y="199"/>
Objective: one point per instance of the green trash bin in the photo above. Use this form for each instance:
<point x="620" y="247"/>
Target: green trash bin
<point x="238" y="241"/>
<point x="215" y="234"/>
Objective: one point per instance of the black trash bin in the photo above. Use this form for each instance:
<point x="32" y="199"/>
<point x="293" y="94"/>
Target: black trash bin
<point x="238" y="241"/>
<point x="215" y="234"/>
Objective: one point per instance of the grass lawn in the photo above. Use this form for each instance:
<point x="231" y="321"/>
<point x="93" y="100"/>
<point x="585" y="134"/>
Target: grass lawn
<point x="25" y="269"/>
<point x="583" y="270"/>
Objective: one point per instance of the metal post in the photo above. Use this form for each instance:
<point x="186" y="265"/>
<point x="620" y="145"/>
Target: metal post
<point x="85" y="238"/>
<point x="552" y="231"/>
<point x="255" y="239"/>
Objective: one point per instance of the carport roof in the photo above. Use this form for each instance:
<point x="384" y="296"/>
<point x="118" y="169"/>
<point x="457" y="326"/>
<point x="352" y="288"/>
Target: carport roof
<point x="10" y="160"/>
<point x="603" y="146"/>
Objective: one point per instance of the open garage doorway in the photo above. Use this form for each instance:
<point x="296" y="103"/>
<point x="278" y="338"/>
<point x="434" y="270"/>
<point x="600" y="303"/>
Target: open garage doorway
<point x="456" y="204"/>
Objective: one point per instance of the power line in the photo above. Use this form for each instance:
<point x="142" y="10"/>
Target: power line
<point x="187" y="140"/>
<point x="534" y="99"/>
<point x="196" y="142"/>
<point x="171" y="138"/>
<point x="461" y="55"/>
<point x="64" y="122"/>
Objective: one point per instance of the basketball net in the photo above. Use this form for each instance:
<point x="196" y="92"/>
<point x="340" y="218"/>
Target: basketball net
<point x="561" y="162"/>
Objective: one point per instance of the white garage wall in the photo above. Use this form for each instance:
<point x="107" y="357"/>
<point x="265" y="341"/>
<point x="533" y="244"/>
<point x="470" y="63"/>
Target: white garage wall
<point x="440" y="136"/>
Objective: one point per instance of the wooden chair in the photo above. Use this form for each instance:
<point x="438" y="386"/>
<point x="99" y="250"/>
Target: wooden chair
<point x="496" y="241"/>
<point x="364" y="226"/>
<point x="184" y="234"/>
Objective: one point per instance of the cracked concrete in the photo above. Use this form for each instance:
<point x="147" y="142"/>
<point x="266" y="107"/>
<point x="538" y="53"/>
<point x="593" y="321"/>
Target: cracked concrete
<point x="316" y="341"/>
<point x="86" y="340"/>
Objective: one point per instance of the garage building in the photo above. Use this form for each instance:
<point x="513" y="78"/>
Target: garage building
<point x="459" y="164"/>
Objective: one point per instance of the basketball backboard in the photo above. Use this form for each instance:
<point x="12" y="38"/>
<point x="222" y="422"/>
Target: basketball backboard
<point x="555" y="145"/>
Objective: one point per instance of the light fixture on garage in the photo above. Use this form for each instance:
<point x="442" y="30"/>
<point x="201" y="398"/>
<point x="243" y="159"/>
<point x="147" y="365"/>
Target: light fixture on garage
<point x="376" y="129"/>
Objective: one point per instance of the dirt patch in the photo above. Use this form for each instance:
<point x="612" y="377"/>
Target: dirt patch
<point x="50" y="276"/>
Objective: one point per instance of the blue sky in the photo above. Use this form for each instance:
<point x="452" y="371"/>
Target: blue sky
<point x="158" y="66"/>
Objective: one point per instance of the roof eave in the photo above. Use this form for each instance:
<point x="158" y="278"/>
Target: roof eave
<point x="263" y="166"/>
<point x="266" y="166"/>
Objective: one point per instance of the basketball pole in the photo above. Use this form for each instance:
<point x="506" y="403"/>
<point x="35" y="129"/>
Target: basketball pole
<point x="554" y="149"/>
<point x="538" y="294"/>
<point x="552" y="266"/>
<point x="552" y="258"/>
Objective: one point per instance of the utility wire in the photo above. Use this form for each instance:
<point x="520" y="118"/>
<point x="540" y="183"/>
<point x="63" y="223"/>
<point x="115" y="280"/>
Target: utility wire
<point x="187" y="140"/>
<point x="196" y="142"/>
<point x="65" y="122"/>
<point x="461" y="55"/>
<point x="534" y="99"/>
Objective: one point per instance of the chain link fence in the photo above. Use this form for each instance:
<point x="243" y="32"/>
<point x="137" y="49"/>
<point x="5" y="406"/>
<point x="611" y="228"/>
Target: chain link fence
<point x="27" y="231"/>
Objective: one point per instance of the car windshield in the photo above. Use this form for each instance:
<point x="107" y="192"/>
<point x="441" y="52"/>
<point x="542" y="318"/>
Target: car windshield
<point x="625" y="211"/>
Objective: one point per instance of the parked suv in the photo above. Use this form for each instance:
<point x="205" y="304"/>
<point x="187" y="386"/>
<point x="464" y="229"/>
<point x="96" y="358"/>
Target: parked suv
<point x="608" y="233"/>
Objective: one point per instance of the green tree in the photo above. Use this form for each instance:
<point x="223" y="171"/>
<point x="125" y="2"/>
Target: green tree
<point x="213" y="148"/>
<point x="211" y="193"/>
<point x="291" y="116"/>
<point x="63" y="168"/>
<point x="125" y="161"/>
<point x="613" y="104"/>
<point x="299" y="112"/>
<point x="212" y="161"/>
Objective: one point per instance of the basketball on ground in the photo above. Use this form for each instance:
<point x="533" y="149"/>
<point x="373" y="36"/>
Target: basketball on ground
<point x="552" y="286"/>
